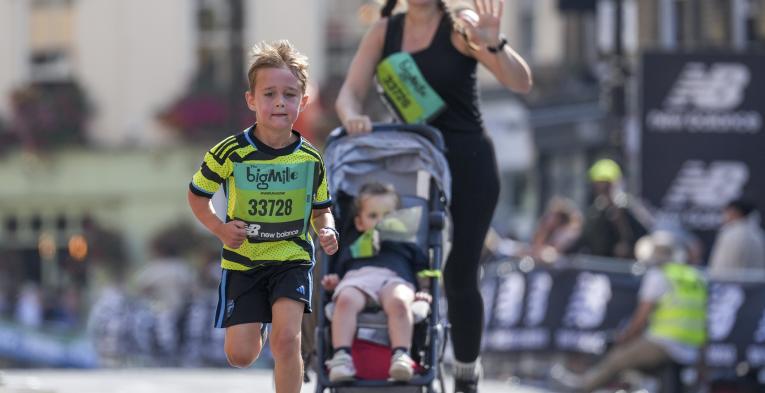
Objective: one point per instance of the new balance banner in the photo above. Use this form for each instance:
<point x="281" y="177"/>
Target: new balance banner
<point x="575" y="310"/>
<point x="702" y="135"/>
<point x="562" y="309"/>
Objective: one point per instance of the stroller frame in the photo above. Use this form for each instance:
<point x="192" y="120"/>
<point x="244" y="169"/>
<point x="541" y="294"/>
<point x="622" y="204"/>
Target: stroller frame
<point x="437" y="328"/>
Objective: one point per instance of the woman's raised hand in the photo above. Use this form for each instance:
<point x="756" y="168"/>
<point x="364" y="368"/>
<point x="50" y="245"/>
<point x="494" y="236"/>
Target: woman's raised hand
<point x="482" y="26"/>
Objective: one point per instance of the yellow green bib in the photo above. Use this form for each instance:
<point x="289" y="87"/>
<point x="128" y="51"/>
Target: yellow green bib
<point x="406" y="91"/>
<point x="274" y="200"/>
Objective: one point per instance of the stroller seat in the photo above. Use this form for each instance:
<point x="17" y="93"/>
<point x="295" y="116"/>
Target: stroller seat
<point x="372" y="323"/>
<point x="372" y="341"/>
<point x="374" y="316"/>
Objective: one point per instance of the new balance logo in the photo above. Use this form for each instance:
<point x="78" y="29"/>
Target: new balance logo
<point x="588" y="304"/>
<point x="253" y="230"/>
<point x="301" y="290"/>
<point x="759" y="334"/>
<point x="706" y="99"/>
<point x="716" y="88"/>
<point x="707" y="187"/>
<point x="724" y="303"/>
<point x="538" y="296"/>
<point x="509" y="307"/>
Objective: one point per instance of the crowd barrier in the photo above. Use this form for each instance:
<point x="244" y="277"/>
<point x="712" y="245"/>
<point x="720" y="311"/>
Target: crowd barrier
<point x="573" y="306"/>
<point x="576" y="305"/>
<point x="47" y="349"/>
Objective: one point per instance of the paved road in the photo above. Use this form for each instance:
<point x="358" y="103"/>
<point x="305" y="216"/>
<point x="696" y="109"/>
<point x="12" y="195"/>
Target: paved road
<point x="169" y="381"/>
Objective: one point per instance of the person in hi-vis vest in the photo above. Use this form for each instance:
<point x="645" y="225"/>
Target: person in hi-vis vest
<point x="669" y="324"/>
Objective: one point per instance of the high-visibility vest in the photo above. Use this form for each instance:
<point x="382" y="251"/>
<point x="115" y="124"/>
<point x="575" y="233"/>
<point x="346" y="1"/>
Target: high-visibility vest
<point x="681" y="313"/>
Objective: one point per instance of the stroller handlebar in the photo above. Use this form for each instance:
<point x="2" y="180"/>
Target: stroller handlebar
<point x="432" y="134"/>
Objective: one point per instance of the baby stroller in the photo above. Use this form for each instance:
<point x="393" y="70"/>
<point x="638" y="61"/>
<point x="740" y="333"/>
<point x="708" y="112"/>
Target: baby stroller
<point x="410" y="157"/>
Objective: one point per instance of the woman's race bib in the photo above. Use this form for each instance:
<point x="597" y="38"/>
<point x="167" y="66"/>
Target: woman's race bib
<point x="405" y="90"/>
<point x="274" y="200"/>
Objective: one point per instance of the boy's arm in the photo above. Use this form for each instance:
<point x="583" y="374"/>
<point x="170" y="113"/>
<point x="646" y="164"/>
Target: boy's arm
<point x="232" y="234"/>
<point x="322" y="218"/>
<point x="324" y="226"/>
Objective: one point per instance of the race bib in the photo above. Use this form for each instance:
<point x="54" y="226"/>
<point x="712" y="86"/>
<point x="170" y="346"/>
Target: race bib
<point x="274" y="200"/>
<point x="405" y="90"/>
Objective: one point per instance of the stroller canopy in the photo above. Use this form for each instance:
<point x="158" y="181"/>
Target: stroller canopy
<point x="402" y="156"/>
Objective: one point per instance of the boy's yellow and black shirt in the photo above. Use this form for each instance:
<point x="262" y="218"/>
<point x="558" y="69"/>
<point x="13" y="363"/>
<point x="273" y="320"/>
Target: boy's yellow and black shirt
<point x="272" y="190"/>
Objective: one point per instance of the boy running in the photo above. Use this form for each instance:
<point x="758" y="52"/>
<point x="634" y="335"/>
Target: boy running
<point x="275" y="185"/>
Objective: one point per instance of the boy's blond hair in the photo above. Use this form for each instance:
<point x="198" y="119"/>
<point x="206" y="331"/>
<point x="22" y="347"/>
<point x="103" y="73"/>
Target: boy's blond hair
<point x="278" y="54"/>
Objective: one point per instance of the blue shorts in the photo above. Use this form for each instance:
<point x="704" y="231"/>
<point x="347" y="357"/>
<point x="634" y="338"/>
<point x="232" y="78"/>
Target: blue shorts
<point x="247" y="296"/>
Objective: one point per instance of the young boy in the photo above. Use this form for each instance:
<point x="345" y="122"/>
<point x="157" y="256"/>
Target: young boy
<point x="275" y="183"/>
<point x="385" y="277"/>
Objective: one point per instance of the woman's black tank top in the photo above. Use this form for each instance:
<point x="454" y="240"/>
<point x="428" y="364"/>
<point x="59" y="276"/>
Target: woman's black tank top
<point x="450" y="73"/>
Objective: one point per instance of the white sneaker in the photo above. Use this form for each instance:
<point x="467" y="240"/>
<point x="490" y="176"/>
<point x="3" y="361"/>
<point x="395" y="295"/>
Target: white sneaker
<point x="341" y="367"/>
<point x="401" y="367"/>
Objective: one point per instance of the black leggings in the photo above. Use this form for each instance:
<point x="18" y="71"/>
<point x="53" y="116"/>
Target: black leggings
<point x="475" y="189"/>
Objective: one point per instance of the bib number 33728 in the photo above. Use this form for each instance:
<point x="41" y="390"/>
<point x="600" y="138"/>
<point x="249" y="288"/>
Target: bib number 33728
<point x="273" y="199"/>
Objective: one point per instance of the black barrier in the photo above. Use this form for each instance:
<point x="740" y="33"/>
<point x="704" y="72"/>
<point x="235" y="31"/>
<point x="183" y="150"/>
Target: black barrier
<point x="554" y="309"/>
<point x="537" y="308"/>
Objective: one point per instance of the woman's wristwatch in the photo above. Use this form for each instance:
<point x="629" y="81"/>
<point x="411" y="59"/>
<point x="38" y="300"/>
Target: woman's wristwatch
<point x="499" y="46"/>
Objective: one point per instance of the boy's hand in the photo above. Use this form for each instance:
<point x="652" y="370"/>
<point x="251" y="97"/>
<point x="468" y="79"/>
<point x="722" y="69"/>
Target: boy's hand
<point x="328" y="240"/>
<point x="423" y="296"/>
<point x="330" y="281"/>
<point x="232" y="233"/>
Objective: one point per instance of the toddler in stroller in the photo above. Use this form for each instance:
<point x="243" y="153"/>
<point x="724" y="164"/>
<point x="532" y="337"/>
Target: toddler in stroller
<point x="410" y="157"/>
<point x="376" y="272"/>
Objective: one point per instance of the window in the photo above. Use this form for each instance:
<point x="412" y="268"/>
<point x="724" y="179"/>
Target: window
<point x="51" y="34"/>
<point x="220" y="52"/>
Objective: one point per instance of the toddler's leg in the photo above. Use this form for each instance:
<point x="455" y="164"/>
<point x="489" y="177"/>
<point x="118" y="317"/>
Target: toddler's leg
<point x="396" y="299"/>
<point x="348" y="304"/>
<point x="242" y="344"/>
<point x="285" y="344"/>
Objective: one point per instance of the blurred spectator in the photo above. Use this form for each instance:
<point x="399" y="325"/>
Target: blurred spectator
<point x="740" y="244"/>
<point x="29" y="307"/>
<point x="611" y="227"/>
<point x="692" y="244"/>
<point x="559" y="227"/>
<point x="167" y="280"/>
<point x="63" y="309"/>
<point x="694" y="247"/>
<point x="108" y="325"/>
<point x="669" y="324"/>
<point x="167" y="283"/>
<point x="203" y="343"/>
